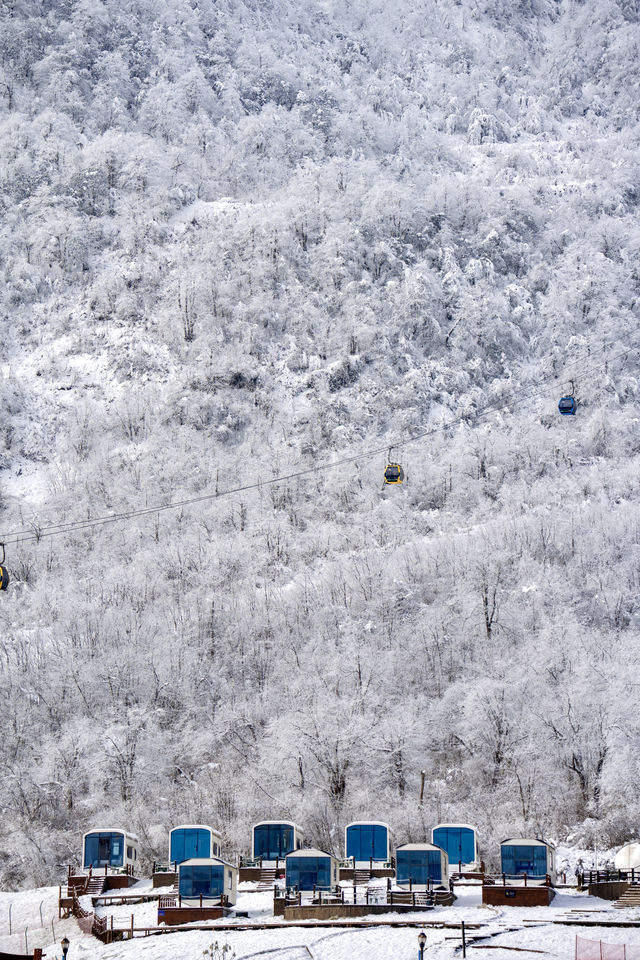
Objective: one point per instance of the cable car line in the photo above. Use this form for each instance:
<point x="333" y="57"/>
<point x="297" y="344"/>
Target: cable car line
<point x="36" y="534"/>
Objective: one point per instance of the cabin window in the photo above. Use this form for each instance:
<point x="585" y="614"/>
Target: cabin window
<point x="206" y="880"/>
<point x="103" y="850"/>
<point x="524" y="858"/>
<point x="367" y="841"/>
<point x="309" y="872"/>
<point x="190" y="843"/>
<point x="419" y="866"/>
<point x="458" y="842"/>
<point x="272" y="841"/>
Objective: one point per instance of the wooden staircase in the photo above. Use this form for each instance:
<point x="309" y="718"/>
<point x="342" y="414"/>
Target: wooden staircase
<point x="361" y="877"/>
<point x="95" y="886"/>
<point x="80" y="886"/>
<point x="267" y="878"/>
<point x="630" y="898"/>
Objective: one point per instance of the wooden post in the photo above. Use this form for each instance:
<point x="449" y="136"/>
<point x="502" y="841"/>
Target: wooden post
<point x="132" y="926"/>
<point x="464" y="941"/>
<point x="525" y="878"/>
<point x="504" y="879"/>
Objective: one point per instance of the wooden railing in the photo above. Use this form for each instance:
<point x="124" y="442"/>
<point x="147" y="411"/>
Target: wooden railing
<point x="165" y="903"/>
<point x="351" y="895"/>
<point x="159" y="867"/>
<point x="609" y="876"/>
<point x="509" y="879"/>
<point x="349" y="863"/>
<point x="259" y="863"/>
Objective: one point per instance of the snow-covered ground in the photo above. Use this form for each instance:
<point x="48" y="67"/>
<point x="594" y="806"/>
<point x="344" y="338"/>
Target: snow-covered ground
<point x="530" y="929"/>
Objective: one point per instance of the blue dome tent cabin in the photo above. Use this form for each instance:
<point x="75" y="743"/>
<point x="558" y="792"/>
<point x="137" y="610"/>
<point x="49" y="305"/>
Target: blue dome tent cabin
<point x="460" y="841"/>
<point x="528" y="874"/>
<point x="111" y="850"/>
<point x="311" y="869"/>
<point x="109" y="861"/>
<point x="367" y="850"/>
<point x="187" y="841"/>
<point x="271" y="841"/>
<point x="421" y="866"/>
<point x="207" y="888"/>
<point x="193" y="841"/>
<point x="531" y="856"/>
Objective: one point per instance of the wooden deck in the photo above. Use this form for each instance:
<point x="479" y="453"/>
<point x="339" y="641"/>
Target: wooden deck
<point x="515" y="896"/>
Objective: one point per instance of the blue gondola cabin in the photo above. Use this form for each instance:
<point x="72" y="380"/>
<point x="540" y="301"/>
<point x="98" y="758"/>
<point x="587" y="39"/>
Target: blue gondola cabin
<point x="368" y="843"/>
<point x="421" y="866"/>
<point x="194" y="841"/>
<point x="567" y="406"/>
<point x="111" y="850"/>
<point x="311" y="869"/>
<point x="460" y="841"/>
<point x="273" y="840"/>
<point x="530" y="856"/>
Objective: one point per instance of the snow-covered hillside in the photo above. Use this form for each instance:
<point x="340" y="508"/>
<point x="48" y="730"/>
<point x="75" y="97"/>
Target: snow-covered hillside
<point x="243" y="240"/>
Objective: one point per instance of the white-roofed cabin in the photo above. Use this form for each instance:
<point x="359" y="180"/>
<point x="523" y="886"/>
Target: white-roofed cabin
<point x="194" y="841"/>
<point x="421" y="866"/>
<point x="272" y="840"/>
<point x="111" y="850"/>
<point x="460" y="841"/>
<point x="311" y="869"/>
<point x="530" y="856"/>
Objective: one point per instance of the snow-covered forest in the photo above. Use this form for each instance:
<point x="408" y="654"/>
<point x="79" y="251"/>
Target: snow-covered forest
<point x="241" y="239"/>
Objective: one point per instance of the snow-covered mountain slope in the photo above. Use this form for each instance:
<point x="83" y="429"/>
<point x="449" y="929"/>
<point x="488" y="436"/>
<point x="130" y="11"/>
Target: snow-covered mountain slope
<point x="244" y="240"/>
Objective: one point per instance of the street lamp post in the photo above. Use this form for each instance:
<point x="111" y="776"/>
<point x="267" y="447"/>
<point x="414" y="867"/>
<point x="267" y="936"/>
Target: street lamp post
<point x="422" y="939"/>
<point x="64" y="943"/>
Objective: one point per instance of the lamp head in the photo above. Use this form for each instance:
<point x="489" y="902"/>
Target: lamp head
<point x="422" y="939"/>
<point x="64" y="943"/>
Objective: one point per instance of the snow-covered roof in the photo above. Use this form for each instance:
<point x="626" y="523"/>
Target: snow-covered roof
<point x="466" y="826"/>
<point x="421" y="846"/>
<point x="126" y="833"/>
<point x="196" y="826"/>
<point x="527" y="842"/>
<point x="310" y="852"/>
<point x="205" y="862"/>
<point x="284" y="823"/>
<point x="368" y="823"/>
